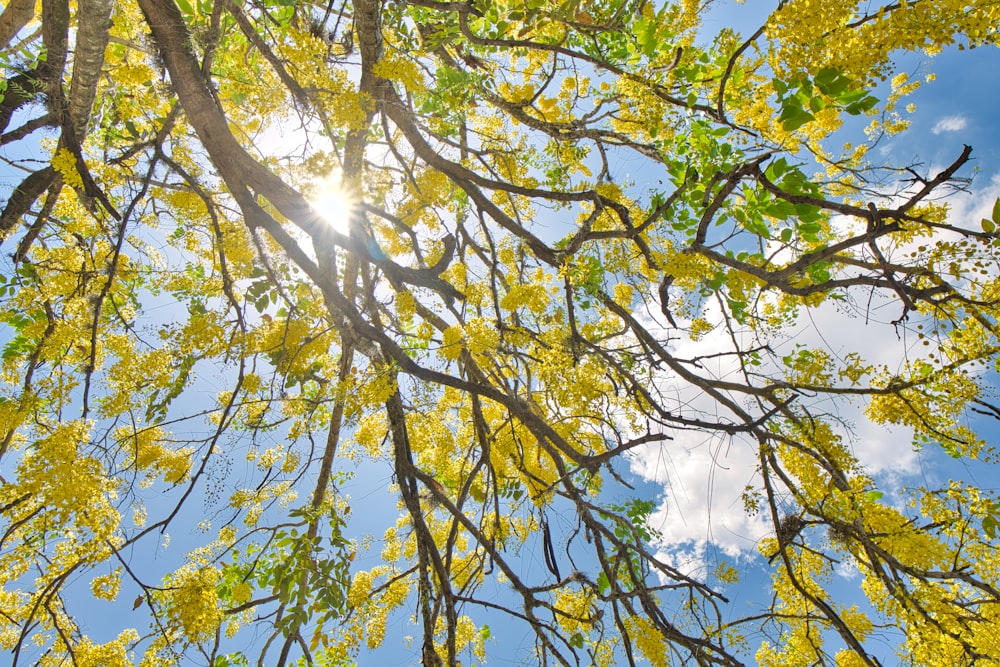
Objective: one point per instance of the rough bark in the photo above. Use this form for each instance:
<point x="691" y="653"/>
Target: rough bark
<point x="15" y="16"/>
<point x="23" y="197"/>
<point x="93" y="24"/>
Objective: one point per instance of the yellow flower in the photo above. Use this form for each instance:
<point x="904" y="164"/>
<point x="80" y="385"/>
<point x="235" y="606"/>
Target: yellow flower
<point x="106" y="587"/>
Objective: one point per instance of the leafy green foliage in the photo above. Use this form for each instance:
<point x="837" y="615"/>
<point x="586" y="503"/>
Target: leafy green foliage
<point x="802" y="97"/>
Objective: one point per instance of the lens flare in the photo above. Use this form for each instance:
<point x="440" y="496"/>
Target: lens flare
<point x="334" y="202"/>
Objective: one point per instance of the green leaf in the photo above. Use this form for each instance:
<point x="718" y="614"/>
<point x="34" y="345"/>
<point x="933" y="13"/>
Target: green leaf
<point x="603" y="585"/>
<point x="810" y="231"/>
<point x="861" y="106"/>
<point x="996" y="211"/>
<point x="645" y="36"/>
<point x="779" y="209"/>
<point x="873" y="496"/>
<point x="776" y="169"/>
<point x="819" y="274"/>
<point x="808" y="212"/>
<point x="792" y="118"/>
<point x="988" y="226"/>
<point x="831" y="81"/>
<point x="990" y="527"/>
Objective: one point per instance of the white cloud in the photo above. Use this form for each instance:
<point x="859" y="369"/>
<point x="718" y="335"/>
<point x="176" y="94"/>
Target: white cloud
<point x="967" y="210"/>
<point x="703" y="476"/>
<point x="866" y="328"/>
<point x="703" y="479"/>
<point x="847" y="569"/>
<point x="950" y="124"/>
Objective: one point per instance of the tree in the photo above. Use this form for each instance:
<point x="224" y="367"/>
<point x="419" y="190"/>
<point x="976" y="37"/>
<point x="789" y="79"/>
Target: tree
<point x="271" y="238"/>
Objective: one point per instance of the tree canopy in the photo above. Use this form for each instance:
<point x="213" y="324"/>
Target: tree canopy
<point x="499" y="248"/>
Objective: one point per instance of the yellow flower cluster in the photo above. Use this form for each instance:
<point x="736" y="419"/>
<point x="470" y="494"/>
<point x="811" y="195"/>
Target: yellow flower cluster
<point x="532" y="296"/>
<point x="64" y="162"/>
<point x="112" y="654"/>
<point x="574" y="610"/>
<point x="481" y="337"/>
<point x="73" y="488"/>
<point x="347" y="106"/>
<point x="193" y="602"/>
<point x="360" y="590"/>
<point x="451" y="342"/>
<point x="648" y="639"/>
<point x="107" y="586"/>
<point x="402" y="70"/>
<point x="370" y="434"/>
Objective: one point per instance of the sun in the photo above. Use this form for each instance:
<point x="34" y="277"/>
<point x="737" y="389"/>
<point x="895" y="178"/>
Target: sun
<point x="334" y="202"/>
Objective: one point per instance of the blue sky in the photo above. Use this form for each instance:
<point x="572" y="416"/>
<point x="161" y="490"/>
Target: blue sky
<point x="699" y="482"/>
